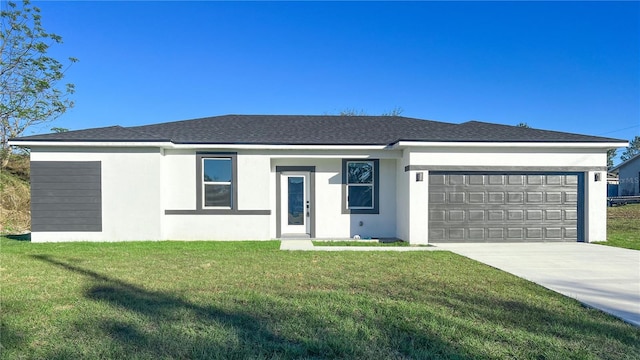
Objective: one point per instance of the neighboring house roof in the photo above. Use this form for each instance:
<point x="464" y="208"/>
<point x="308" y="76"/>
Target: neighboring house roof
<point x="616" y="169"/>
<point x="314" y="130"/>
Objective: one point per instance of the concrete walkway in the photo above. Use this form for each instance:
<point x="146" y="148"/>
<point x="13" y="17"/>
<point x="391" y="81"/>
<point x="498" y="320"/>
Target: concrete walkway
<point x="307" y="245"/>
<point x="603" y="277"/>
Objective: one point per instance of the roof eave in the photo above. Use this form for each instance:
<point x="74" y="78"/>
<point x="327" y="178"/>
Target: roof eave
<point x="89" y="143"/>
<point x="506" y="144"/>
<point x="185" y="145"/>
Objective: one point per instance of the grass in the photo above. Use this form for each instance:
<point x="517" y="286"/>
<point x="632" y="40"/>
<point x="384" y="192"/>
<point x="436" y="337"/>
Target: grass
<point x="358" y="243"/>
<point x="233" y="300"/>
<point x="623" y="226"/>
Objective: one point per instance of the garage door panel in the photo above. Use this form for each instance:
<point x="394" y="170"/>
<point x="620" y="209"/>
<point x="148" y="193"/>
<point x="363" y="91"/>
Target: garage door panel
<point x="535" y="180"/>
<point x="552" y="215"/>
<point x="496" y="234"/>
<point x="437" y="179"/>
<point x="457" y="197"/>
<point x="476" y="180"/>
<point x="515" y="197"/>
<point x="515" y="215"/>
<point x="570" y="198"/>
<point x="503" y="207"/>
<point x="437" y="234"/>
<point x="553" y="198"/>
<point x="496" y="180"/>
<point x="553" y="233"/>
<point x="437" y="215"/>
<point x="515" y="233"/>
<point x="570" y="215"/>
<point x="515" y="179"/>
<point x="534" y="215"/>
<point x="476" y="197"/>
<point x="496" y="215"/>
<point x="535" y="197"/>
<point x="477" y="215"/>
<point x="456" y="215"/>
<point x="554" y="179"/>
<point x="496" y="197"/>
<point x="477" y="233"/>
<point x="457" y="234"/>
<point x="571" y="180"/>
<point x="570" y="233"/>
<point x="456" y="179"/>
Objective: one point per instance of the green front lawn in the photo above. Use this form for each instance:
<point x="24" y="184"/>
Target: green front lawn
<point x="244" y="300"/>
<point x="623" y="226"/>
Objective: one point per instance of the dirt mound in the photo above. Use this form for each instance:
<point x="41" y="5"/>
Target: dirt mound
<point x="15" y="196"/>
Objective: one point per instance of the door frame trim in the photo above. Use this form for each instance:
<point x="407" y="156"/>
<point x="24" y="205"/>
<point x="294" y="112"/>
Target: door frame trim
<point x="312" y="197"/>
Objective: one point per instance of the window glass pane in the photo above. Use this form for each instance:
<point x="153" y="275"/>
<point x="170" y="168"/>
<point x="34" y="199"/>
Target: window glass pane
<point x="217" y="170"/>
<point x="360" y="196"/>
<point x="217" y="195"/>
<point x="296" y="201"/>
<point x="359" y="173"/>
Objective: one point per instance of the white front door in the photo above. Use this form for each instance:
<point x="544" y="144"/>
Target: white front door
<point x="295" y="206"/>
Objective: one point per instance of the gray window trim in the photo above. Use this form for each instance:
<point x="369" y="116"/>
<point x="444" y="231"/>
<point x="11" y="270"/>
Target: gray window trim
<point x="200" y="210"/>
<point x="376" y="188"/>
<point x="217" y="212"/>
<point x="234" y="181"/>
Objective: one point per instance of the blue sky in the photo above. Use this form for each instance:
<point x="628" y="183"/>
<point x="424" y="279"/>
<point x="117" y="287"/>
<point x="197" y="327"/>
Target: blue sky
<point x="566" y="66"/>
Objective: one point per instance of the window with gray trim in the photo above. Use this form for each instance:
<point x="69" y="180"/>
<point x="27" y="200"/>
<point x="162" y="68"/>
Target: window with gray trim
<point x="360" y="186"/>
<point x="217" y="183"/>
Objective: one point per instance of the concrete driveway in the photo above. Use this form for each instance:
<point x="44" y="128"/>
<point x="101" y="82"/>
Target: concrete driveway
<point x="603" y="277"/>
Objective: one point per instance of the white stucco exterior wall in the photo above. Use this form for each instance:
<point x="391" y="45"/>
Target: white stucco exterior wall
<point x="402" y="198"/>
<point x="179" y="189"/>
<point x="507" y="157"/>
<point x="179" y="180"/>
<point x="140" y="184"/>
<point x="330" y="222"/>
<point x="595" y="206"/>
<point x="556" y="159"/>
<point x="130" y="193"/>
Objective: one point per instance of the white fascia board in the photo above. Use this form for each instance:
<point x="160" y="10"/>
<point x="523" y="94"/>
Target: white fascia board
<point x="169" y="145"/>
<point x="89" y="144"/>
<point x="574" y="145"/>
<point x="279" y="147"/>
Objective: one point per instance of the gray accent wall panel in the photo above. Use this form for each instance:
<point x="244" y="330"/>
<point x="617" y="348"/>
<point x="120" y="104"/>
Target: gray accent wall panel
<point x="66" y="196"/>
<point x="503" y="207"/>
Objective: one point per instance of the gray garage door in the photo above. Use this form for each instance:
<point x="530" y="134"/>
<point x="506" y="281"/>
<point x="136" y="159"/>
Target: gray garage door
<point x="495" y="207"/>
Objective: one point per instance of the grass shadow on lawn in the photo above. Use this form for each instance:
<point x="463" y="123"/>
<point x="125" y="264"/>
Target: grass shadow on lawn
<point x="233" y="334"/>
<point x="19" y="237"/>
<point x="410" y="317"/>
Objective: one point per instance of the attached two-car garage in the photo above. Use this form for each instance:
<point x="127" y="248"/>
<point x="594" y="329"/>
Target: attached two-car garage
<point x="505" y="207"/>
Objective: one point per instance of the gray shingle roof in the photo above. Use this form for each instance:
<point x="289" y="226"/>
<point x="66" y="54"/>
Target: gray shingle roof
<point x="315" y="130"/>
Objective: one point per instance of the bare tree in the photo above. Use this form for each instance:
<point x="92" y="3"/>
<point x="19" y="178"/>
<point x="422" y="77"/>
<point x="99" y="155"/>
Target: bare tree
<point x="352" y="112"/>
<point x="396" y="111"/>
